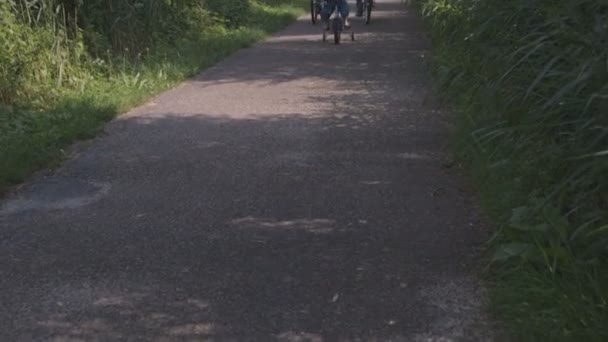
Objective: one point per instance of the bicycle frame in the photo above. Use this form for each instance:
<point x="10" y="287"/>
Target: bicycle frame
<point x="315" y="9"/>
<point x="336" y="20"/>
<point x="364" y="7"/>
<point x="319" y="5"/>
<point x="337" y="25"/>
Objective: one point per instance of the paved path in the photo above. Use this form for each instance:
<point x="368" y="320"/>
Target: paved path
<point x="297" y="191"/>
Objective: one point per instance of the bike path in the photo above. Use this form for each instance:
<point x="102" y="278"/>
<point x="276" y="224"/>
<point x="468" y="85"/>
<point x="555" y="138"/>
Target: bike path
<point x="297" y="191"/>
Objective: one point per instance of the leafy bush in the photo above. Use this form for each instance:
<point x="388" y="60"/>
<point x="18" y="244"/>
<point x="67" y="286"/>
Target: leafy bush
<point x="36" y="56"/>
<point x="234" y="11"/>
<point x="50" y="45"/>
<point x="137" y="25"/>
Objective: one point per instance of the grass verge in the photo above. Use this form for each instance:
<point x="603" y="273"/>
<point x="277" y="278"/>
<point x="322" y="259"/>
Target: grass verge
<point x="529" y="84"/>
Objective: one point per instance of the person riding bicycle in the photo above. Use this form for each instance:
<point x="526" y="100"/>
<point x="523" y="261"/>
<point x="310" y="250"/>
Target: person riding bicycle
<point x="360" y="8"/>
<point x="329" y="7"/>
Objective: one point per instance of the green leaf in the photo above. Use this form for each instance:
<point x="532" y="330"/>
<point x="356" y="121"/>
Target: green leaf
<point x="518" y="214"/>
<point x="598" y="230"/>
<point x="543" y="227"/>
<point x="511" y="250"/>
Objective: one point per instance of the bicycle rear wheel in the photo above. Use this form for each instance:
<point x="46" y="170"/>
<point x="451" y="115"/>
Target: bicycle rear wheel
<point x="337" y="26"/>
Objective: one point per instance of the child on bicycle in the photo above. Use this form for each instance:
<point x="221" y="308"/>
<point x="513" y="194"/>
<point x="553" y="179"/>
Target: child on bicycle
<point x="329" y="7"/>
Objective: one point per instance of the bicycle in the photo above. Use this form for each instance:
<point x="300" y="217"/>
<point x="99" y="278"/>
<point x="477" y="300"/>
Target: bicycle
<point x="315" y="9"/>
<point x="337" y="26"/>
<point x="365" y="6"/>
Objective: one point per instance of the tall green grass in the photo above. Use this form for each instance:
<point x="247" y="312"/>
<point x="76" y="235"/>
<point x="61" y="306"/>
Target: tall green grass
<point x="529" y="80"/>
<point x="66" y="70"/>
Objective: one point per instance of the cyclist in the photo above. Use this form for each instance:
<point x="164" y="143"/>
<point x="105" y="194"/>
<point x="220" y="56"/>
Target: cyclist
<point x="360" y="7"/>
<point x="343" y="8"/>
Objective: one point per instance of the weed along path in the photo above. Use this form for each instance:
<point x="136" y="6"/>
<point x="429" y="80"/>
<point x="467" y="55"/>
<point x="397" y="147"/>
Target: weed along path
<point x="297" y="191"/>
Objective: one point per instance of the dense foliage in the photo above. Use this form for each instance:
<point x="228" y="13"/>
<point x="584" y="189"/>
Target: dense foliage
<point x="530" y="80"/>
<point x="46" y="43"/>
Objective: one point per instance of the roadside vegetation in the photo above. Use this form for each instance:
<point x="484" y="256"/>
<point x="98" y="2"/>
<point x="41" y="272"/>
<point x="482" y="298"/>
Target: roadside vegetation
<point x="529" y="81"/>
<point x="68" y="66"/>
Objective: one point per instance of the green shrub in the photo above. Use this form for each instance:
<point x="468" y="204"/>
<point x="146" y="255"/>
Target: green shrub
<point x="15" y="51"/>
<point x="234" y="11"/>
<point x="36" y="56"/>
<point x="137" y="25"/>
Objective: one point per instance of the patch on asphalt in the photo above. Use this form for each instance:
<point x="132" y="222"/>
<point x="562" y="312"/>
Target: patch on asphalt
<point x="54" y="194"/>
<point x="456" y="307"/>
<point x="314" y="226"/>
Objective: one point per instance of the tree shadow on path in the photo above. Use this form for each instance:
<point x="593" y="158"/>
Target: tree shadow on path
<point x="273" y="198"/>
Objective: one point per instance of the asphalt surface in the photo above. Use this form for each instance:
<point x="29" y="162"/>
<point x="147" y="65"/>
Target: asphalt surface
<point x="297" y="191"/>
